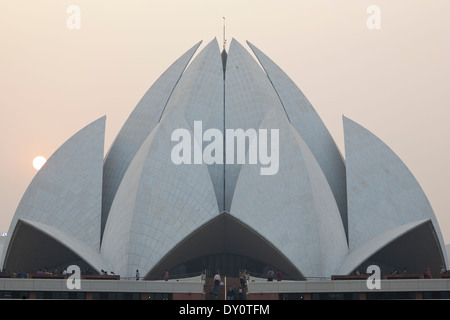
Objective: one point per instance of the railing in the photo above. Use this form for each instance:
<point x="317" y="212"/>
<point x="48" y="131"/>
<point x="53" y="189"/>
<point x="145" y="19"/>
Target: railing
<point x="404" y="276"/>
<point x="65" y="276"/>
<point x="349" y="277"/>
<point x="172" y="277"/>
<point x="263" y="277"/>
<point x="44" y="275"/>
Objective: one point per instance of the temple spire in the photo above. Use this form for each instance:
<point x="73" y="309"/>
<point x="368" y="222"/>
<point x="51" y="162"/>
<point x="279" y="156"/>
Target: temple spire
<point x="224" y="38"/>
<point x="224" y="52"/>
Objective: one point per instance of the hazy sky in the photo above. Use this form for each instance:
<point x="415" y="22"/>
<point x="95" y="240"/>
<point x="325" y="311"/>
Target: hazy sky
<point x="395" y="81"/>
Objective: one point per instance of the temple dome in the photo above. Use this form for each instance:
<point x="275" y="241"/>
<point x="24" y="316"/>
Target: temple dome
<point x="314" y="215"/>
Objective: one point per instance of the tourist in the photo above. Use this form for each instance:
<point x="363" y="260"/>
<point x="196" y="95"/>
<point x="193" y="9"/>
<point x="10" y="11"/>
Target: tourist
<point x="270" y="274"/>
<point x="241" y="293"/>
<point x="279" y="275"/>
<point x="241" y="278"/>
<point x="215" y="292"/>
<point x="217" y="279"/>
<point x="230" y="294"/>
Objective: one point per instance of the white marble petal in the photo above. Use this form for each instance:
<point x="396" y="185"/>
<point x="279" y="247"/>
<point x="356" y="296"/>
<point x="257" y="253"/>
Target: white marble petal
<point x="158" y="203"/>
<point x="382" y="192"/>
<point x="311" y="128"/>
<point x="294" y="209"/>
<point x="65" y="193"/>
<point x="137" y="127"/>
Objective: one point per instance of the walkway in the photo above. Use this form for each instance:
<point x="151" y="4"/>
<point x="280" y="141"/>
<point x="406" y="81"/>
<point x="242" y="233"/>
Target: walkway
<point x="227" y="284"/>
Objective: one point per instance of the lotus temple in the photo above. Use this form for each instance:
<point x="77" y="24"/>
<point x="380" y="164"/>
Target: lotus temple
<point x="325" y="211"/>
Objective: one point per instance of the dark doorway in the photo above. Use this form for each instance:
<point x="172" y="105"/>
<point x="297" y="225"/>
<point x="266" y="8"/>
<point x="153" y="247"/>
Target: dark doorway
<point x="227" y="244"/>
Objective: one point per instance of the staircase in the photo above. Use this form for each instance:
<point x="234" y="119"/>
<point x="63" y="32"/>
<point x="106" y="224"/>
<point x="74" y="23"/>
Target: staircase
<point x="228" y="283"/>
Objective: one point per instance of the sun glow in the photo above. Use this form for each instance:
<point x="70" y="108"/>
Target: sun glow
<point x="38" y="162"/>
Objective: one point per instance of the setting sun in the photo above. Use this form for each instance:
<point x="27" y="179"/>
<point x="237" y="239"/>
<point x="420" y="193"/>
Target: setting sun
<point x="38" y="162"/>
